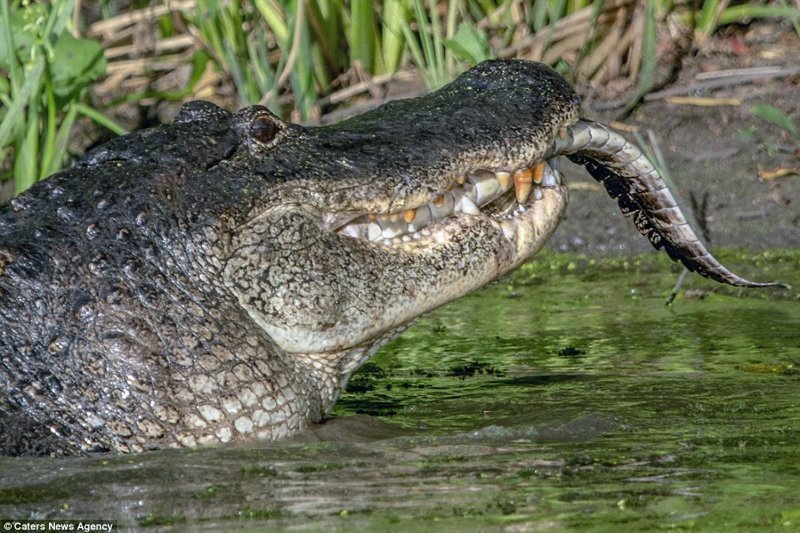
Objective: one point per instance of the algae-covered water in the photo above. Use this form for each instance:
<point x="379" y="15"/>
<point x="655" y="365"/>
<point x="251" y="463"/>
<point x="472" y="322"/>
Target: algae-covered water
<point x="566" y="396"/>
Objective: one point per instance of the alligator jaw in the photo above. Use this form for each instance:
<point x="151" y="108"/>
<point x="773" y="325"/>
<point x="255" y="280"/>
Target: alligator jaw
<point x="641" y="193"/>
<point x="502" y="195"/>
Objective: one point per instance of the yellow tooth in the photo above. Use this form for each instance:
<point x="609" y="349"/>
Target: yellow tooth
<point x="461" y="179"/>
<point x="562" y="133"/>
<point x="408" y="215"/>
<point x="372" y="217"/>
<point x="538" y="173"/>
<point x="394" y="217"/>
<point x="523" y="183"/>
<point x="438" y="201"/>
<point x="504" y="178"/>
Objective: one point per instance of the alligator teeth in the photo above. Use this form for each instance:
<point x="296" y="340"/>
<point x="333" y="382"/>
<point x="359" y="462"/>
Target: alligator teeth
<point x="391" y="225"/>
<point x="487" y="187"/>
<point x="469" y="207"/>
<point x="442" y="207"/>
<point x="422" y="218"/>
<point x="538" y="173"/>
<point x="374" y="232"/>
<point x="504" y="179"/>
<point x="551" y="176"/>
<point x="471" y="191"/>
<point x="523" y="183"/>
<point x="334" y="221"/>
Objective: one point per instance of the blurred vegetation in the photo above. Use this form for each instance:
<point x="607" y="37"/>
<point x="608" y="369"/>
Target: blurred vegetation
<point x="302" y="57"/>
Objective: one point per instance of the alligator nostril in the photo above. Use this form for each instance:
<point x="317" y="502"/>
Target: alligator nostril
<point x="263" y="129"/>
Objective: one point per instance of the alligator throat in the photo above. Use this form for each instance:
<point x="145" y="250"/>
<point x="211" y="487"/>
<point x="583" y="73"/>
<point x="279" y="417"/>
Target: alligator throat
<point x="218" y="279"/>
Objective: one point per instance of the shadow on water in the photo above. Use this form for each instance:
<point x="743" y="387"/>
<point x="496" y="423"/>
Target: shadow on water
<point x="567" y="396"/>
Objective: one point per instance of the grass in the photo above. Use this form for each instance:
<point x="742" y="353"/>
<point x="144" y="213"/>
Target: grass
<point x="294" y="56"/>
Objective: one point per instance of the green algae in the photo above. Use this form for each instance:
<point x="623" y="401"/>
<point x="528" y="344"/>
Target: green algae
<point x="567" y="396"/>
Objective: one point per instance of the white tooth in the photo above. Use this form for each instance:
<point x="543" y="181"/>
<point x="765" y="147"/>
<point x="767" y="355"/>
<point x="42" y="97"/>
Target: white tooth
<point x="486" y="186"/>
<point x="469" y="207"/>
<point x="505" y="181"/>
<point x="538" y="194"/>
<point x="392" y="229"/>
<point x="555" y="163"/>
<point x="333" y="221"/>
<point x="457" y="195"/>
<point x="523" y="182"/>
<point x="444" y="208"/>
<point x="354" y="230"/>
<point x="374" y="231"/>
<point x="421" y="219"/>
<point x="550" y="178"/>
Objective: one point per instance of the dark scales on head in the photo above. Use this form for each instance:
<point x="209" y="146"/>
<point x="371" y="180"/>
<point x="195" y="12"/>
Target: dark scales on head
<point x="220" y="278"/>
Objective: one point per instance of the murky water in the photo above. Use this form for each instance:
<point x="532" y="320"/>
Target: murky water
<point x="568" y="396"/>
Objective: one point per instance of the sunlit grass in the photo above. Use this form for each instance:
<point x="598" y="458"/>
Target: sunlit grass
<point x="291" y="55"/>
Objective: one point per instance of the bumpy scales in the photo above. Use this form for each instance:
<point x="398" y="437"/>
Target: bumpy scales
<point x="220" y="278"/>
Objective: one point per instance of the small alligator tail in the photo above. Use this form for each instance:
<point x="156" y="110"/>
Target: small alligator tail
<point x="631" y="179"/>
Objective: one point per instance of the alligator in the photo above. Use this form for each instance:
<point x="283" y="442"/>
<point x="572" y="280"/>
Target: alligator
<point x="219" y="279"/>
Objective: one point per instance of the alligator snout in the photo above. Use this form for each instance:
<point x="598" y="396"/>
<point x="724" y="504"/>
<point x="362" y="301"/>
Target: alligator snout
<point x="220" y="278"/>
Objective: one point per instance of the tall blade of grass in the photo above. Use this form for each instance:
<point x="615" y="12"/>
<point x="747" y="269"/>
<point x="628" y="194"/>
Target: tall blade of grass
<point x="649" y="59"/>
<point x="100" y="118"/>
<point x="776" y="116"/>
<point x="258" y="52"/>
<point x="430" y="59"/>
<point x="15" y="113"/>
<point x="60" y="14"/>
<point x="394" y="18"/>
<point x="299" y="63"/>
<point x="362" y="33"/>
<point x="416" y="52"/>
<point x="438" y="45"/>
<point x="707" y="19"/>
<point x="450" y="34"/>
<point x="424" y="35"/>
<point x="61" y="140"/>
<point x="743" y="12"/>
<point x="325" y="22"/>
<point x="14" y="68"/>
<point x="48" y="151"/>
<point x="27" y="150"/>
<point x="275" y="17"/>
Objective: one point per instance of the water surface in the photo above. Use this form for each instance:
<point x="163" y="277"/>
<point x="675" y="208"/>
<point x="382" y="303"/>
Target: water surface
<point x="566" y="396"/>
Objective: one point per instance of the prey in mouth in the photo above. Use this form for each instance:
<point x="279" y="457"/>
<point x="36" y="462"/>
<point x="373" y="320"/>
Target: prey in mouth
<point x="220" y="278"/>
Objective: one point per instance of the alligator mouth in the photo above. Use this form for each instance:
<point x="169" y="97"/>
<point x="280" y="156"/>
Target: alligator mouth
<point x="501" y="195"/>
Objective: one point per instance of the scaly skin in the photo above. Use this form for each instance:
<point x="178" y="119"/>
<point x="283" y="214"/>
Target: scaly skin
<point x="220" y="278"/>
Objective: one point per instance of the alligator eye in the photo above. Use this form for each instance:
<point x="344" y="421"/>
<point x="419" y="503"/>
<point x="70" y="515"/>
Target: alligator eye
<point x="263" y="129"/>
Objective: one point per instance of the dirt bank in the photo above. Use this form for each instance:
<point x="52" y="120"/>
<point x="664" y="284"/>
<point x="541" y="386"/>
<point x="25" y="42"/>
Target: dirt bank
<point x="712" y="150"/>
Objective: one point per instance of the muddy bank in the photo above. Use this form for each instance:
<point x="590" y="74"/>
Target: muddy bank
<point x="714" y="151"/>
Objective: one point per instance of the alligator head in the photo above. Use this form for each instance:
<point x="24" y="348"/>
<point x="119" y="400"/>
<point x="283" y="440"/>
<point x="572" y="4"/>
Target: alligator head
<point x="220" y="279"/>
